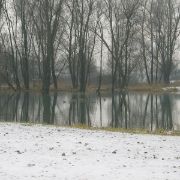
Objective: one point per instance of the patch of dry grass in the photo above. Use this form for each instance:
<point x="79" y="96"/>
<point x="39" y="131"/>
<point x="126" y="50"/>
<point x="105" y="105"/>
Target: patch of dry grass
<point x="130" y="131"/>
<point x="64" y="86"/>
<point x="154" y="88"/>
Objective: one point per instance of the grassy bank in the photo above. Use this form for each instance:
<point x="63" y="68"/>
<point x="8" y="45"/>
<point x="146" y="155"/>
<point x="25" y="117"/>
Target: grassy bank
<point x="153" y="88"/>
<point x="108" y="129"/>
<point x="143" y="87"/>
<point x="131" y="131"/>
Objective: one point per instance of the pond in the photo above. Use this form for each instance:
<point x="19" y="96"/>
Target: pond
<point x="121" y="110"/>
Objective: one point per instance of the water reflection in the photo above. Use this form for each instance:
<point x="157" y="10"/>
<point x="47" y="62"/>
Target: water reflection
<point x="122" y="110"/>
<point x="80" y="109"/>
<point x="166" y="112"/>
<point x="25" y="108"/>
<point x="49" y="108"/>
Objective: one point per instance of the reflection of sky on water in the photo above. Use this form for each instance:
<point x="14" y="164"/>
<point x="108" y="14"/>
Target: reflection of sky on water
<point x="176" y="112"/>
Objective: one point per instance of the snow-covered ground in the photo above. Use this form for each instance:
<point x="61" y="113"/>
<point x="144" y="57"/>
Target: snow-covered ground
<point x="55" y="153"/>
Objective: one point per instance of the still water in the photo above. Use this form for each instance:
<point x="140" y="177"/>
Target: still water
<point x="121" y="110"/>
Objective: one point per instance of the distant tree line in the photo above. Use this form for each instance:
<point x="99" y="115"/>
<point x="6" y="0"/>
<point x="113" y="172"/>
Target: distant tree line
<point x="40" y="39"/>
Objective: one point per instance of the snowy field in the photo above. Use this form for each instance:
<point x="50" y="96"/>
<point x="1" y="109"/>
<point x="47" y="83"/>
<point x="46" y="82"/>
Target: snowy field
<point x="54" y="153"/>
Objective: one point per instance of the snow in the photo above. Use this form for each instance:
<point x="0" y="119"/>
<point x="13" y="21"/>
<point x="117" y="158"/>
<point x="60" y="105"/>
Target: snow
<point x="177" y="88"/>
<point x="55" y="153"/>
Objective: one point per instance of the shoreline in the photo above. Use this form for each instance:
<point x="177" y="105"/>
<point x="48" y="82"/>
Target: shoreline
<point x="144" y="88"/>
<point x="158" y="132"/>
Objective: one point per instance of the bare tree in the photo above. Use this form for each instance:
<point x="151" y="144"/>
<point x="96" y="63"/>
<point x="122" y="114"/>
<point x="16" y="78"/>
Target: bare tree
<point x="160" y="27"/>
<point x="169" y="36"/>
<point x="121" y="16"/>
<point x="9" y="41"/>
<point x="47" y="22"/>
<point x="81" y="40"/>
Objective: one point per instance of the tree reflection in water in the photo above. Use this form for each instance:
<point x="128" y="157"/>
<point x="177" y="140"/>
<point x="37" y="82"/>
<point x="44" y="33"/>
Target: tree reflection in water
<point x="121" y="110"/>
<point x="49" y="108"/>
<point x="79" y="109"/>
<point x="25" y="108"/>
<point x="166" y="110"/>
